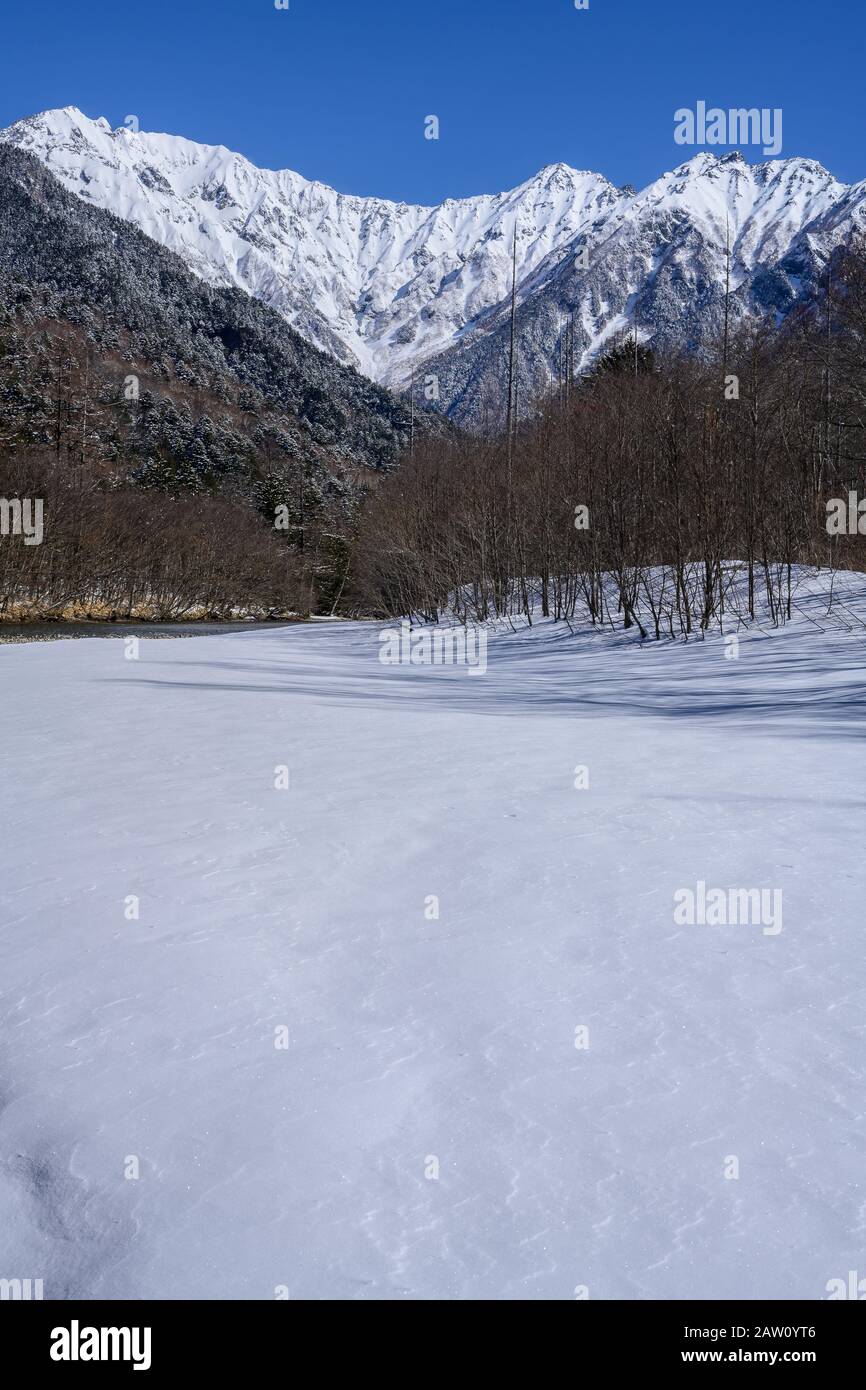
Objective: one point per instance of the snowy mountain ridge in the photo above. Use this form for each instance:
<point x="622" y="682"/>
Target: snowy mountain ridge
<point x="388" y="286"/>
<point x="375" y="283"/>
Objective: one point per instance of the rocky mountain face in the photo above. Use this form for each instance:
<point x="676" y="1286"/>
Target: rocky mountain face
<point x="396" y="290"/>
<point x="379" y="285"/>
<point x="232" y="382"/>
<point x="657" y="264"/>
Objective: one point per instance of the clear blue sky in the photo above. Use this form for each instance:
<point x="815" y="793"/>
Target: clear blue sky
<point x="338" y="89"/>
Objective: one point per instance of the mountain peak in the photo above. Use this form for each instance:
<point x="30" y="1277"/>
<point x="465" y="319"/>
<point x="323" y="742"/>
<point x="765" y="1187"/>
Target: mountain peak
<point x="558" y="170"/>
<point x="564" y="175"/>
<point x="386" y="286"/>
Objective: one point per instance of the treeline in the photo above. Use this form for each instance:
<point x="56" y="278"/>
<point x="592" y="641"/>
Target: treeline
<point x="157" y="505"/>
<point x="126" y="553"/>
<point x="635" y="487"/>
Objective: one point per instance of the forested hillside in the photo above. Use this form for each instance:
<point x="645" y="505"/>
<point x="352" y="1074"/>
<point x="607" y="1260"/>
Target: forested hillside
<point x="121" y="373"/>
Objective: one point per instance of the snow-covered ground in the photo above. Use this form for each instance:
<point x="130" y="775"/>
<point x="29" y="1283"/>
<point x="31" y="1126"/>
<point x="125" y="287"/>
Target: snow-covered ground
<point x="417" y="1042"/>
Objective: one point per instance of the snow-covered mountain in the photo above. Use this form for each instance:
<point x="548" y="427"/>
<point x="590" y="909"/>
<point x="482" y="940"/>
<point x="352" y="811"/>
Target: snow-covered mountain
<point x="388" y="287"/>
<point x="657" y="261"/>
<point x="377" y="284"/>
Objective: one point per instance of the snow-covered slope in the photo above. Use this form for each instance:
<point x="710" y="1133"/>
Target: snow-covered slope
<point x="388" y="286"/>
<point x="431" y="1129"/>
<point x="376" y="283"/>
<point x="657" y="260"/>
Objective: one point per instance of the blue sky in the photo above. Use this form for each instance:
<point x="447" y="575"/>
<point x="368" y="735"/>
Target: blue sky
<point x="339" y="89"/>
